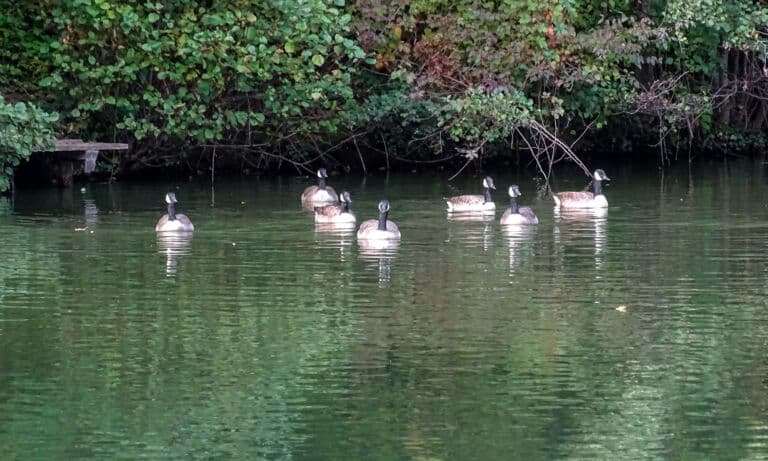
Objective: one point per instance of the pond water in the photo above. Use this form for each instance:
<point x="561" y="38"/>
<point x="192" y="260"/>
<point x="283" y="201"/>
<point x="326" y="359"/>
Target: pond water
<point x="262" y="338"/>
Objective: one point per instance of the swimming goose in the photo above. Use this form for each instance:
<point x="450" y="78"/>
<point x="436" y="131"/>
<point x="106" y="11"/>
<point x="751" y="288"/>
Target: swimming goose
<point x="482" y="203"/>
<point x="516" y="214"/>
<point x="336" y="214"/>
<point x="321" y="193"/>
<point x="594" y="199"/>
<point x="379" y="229"/>
<point x="173" y="222"/>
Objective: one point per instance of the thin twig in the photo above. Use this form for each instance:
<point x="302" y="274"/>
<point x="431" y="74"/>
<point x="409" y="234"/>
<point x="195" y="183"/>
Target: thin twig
<point x="386" y="150"/>
<point x="469" y="160"/>
<point x="535" y="156"/>
<point x="362" y="162"/>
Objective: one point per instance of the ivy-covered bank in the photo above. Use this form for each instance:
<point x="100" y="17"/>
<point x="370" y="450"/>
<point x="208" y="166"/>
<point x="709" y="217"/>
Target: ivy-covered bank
<point x="299" y="81"/>
<point x="23" y="127"/>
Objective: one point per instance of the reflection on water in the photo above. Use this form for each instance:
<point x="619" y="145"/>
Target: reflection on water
<point x="5" y="205"/>
<point x="173" y="245"/>
<point x="517" y="236"/>
<point x="471" y="233"/>
<point x="380" y="253"/>
<point x="335" y="236"/>
<point x="91" y="213"/>
<point x="467" y="340"/>
<point x="464" y="228"/>
<point x="471" y="216"/>
<point x="90" y="210"/>
<point x="341" y="228"/>
<point x="583" y="223"/>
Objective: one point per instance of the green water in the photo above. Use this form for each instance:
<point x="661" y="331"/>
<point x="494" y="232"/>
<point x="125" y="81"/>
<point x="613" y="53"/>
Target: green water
<point x="260" y="338"/>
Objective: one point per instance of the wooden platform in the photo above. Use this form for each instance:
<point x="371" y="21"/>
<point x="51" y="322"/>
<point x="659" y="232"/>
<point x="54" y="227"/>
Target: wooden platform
<point x="69" y="151"/>
<point x="78" y="145"/>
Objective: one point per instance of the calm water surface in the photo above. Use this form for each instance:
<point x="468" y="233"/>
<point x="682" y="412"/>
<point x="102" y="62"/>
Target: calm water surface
<point x="262" y="338"/>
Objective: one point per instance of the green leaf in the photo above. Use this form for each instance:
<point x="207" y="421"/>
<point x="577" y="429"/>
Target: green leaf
<point x="318" y="60"/>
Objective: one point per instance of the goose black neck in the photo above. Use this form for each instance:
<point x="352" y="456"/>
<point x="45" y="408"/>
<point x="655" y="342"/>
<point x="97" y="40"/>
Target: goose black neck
<point x="598" y="187"/>
<point x="344" y="207"/>
<point x="487" y="195"/>
<point x="171" y="212"/>
<point x="383" y="221"/>
<point x="513" y="207"/>
<point x="321" y="183"/>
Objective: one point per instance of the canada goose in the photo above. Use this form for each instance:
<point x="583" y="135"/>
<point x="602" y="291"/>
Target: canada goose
<point x="321" y="193"/>
<point x="516" y="214"/>
<point x="594" y="199"/>
<point x="336" y="214"/>
<point x="379" y="229"/>
<point x="482" y="203"/>
<point x="173" y="222"/>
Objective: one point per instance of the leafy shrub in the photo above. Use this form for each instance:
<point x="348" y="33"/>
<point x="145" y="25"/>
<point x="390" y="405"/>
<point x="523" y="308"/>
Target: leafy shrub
<point x="23" y="128"/>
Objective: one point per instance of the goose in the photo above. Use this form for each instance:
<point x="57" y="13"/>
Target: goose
<point x="482" y="203"/>
<point x="379" y="229"/>
<point x="173" y="222"/>
<point x="336" y="214"/>
<point x="321" y="193"/>
<point x="594" y="199"/>
<point x="516" y="214"/>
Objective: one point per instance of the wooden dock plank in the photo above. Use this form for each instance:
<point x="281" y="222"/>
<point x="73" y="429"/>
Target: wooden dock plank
<point x="76" y="145"/>
<point x="70" y="151"/>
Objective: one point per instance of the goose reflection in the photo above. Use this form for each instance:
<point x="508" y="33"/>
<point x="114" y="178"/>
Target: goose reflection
<point x="470" y="216"/>
<point x="173" y="245"/>
<point x="516" y="235"/>
<point x="583" y="222"/>
<point x="334" y="236"/>
<point x="462" y="230"/>
<point x="381" y="253"/>
<point x="90" y="210"/>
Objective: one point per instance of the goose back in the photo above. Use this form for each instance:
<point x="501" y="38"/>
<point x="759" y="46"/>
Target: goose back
<point x="333" y="214"/>
<point x="474" y="202"/>
<point x="316" y="195"/>
<point x="524" y="215"/>
<point x="580" y="200"/>
<point x="369" y="229"/>
<point x="594" y="199"/>
<point x="469" y="203"/>
<point x="181" y="224"/>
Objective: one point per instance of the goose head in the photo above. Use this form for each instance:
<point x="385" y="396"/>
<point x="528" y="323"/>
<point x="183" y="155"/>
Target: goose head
<point x="384" y="206"/>
<point x="345" y="197"/>
<point x="514" y="191"/>
<point x="599" y="175"/>
<point x="170" y="198"/>
<point x="321" y="173"/>
<point x="488" y="183"/>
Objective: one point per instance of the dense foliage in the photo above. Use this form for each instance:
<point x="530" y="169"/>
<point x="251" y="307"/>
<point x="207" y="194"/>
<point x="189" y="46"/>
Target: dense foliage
<point x="534" y="72"/>
<point x="23" y="127"/>
<point x="295" y="79"/>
